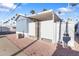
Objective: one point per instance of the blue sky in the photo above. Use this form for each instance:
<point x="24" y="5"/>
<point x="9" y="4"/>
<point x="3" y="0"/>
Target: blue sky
<point x="25" y="8"/>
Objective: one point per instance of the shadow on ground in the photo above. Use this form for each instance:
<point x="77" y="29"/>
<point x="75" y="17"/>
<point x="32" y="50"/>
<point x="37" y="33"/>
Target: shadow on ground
<point x="23" y="48"/>
<point x="60" y="51"/>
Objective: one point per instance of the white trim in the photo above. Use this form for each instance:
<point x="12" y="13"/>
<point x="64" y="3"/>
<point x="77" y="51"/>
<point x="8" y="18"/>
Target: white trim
<point x="42" y="16"/>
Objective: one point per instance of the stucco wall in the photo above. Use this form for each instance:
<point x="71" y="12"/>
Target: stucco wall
<point x="70" y="31"/>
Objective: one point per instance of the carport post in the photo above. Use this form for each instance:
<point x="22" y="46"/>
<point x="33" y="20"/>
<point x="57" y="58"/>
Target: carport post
<point x="59" y="40"/>
<point x="37" y="30"/>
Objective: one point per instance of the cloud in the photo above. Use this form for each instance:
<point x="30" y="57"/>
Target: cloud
<point x="7" y="6"/>
<point x="65" y="10"/>
<point x="2" y="10"/>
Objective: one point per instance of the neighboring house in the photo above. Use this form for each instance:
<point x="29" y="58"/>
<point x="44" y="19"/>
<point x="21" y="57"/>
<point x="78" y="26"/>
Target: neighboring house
<point x="44" y="25"/>
<point x="4" y="29"/>
<point x="10" y="24"/>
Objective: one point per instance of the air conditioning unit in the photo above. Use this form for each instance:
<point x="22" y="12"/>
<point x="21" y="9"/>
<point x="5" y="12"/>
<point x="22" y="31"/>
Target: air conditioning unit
<point x="20" y="35"/>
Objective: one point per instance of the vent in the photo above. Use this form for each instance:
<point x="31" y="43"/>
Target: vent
<point x="47" y="40"/>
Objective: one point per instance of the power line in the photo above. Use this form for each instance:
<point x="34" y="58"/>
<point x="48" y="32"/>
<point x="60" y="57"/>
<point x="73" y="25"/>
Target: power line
<point x="11" y="11"/>
<point x="5" y="14"/>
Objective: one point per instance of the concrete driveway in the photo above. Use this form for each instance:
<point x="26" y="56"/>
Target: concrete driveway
<point x="10" y="46"/>
<point x="7" y="48"/>
<point x="42" y="48"/>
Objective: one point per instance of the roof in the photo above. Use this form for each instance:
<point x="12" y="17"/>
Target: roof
<point x="42" y="16"/>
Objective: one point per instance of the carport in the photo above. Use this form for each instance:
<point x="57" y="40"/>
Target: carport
<point x="40" y="17"/>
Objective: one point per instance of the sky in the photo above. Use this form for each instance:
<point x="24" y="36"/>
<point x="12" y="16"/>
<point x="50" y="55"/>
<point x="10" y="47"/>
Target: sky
<point x="8" y="10"/>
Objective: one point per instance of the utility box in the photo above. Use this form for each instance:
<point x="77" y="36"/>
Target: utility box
<point x="66" y="39"/>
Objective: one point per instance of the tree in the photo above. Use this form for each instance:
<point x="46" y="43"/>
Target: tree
<point x="73" y="4"/>
<point x="69" y="19"/>
<point x="59" y="12"/>
<point x="76" y="19"/>
<point x="14" y="17"/>
<point x="44" y="9"/>
<point x="32" y="11"/>
<point x="11" y="18"/>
